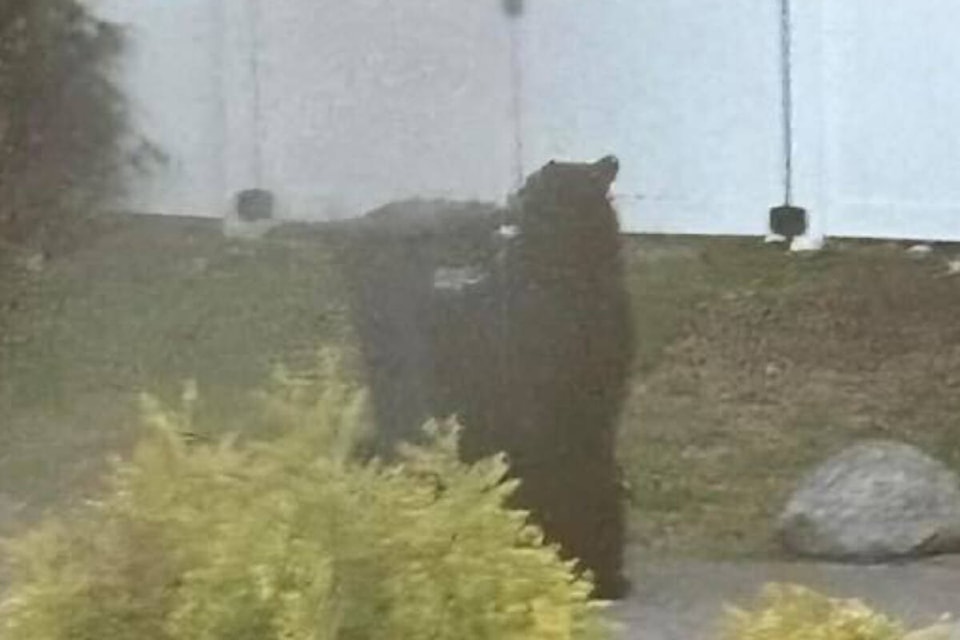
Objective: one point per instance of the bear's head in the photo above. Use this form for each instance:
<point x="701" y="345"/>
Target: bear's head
<point x="567" y="195"/>
<point x="572" y="182"/>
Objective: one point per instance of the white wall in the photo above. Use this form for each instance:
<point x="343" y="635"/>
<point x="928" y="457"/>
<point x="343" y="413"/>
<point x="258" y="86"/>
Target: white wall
<point x="892" y="118"/>
<point x="361" y="102"/>
<point x="173" y="78"/>
<point x="685" y="92"/>
<point x="372" y="100"/>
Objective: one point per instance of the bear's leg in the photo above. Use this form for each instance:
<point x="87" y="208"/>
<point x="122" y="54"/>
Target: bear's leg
<point x="598" y="532"/>
<point x="579" y="504"/>
<point x="390" y="283"/>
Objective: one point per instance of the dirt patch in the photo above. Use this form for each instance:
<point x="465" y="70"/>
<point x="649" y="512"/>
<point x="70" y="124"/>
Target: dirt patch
<point x="778" y="361"/>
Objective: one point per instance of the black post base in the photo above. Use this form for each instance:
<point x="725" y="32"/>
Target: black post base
<point x="253" y="205"/>
<point x="788" y="221"/>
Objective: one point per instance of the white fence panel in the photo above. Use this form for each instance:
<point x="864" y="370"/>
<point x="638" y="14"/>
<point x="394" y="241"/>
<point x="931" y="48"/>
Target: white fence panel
<point x="372" y="100"/>
<point x="365" y="101"/>
<point x="892" y="119"/>
<point x="172" y="76"/>
<point x="341" y="106"/>
<point x="685" y="92"/>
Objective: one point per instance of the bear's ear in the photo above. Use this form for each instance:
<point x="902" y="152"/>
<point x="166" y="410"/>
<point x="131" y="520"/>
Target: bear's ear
<point x="552" y="163"/>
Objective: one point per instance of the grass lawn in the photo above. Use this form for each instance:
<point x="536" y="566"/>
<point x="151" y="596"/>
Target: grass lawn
<point x="753" y="365"/>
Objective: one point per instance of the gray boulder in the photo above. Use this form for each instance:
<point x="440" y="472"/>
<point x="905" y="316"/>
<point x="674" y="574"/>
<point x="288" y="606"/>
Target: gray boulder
<point x="873" y="502"/>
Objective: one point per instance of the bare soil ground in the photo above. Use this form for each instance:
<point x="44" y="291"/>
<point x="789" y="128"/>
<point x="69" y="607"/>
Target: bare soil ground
<point x="760" y="364"/>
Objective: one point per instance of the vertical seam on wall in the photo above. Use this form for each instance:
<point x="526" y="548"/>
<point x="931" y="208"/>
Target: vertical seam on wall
<point x="516" y="92"/>
<point x="256" y="46"/>
<point x="220" y="44"/>
<point x="786" y="78"/>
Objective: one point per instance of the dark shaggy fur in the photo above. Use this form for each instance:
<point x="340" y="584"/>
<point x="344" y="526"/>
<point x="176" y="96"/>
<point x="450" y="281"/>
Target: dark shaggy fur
<point x="528" y="340"/>
<point x="390" y="261"/>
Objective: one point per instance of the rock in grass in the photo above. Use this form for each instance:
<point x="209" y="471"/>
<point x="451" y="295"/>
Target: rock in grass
<point x="873" y="502"/>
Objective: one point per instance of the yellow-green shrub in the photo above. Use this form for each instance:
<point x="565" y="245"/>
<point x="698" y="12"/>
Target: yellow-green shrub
<point x="292" y="539"/>
<point x="791" y="612"/>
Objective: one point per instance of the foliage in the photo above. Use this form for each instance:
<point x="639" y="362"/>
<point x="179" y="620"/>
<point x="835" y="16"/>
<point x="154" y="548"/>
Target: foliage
<point x="293" y="538"/>
<point x="63" y="122"/>
<point x="791" y="612"/>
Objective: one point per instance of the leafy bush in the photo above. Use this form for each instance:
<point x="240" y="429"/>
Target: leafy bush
<point x="293" y="538"/>
<point x="790" y="612"/>
<point x="64" y="143"/>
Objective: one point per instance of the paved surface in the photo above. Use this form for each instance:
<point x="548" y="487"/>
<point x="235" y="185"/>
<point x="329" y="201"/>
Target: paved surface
<point x="683" y="600"/>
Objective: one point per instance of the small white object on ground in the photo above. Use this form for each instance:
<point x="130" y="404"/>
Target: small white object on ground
<point x="920" y="250"/>
<point x="508" y="231"/>
<point x="807" y="243"/>
<point x="457" y="278"/>
<point x="235" y="228"/>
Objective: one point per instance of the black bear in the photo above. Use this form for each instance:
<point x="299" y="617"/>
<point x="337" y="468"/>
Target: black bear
<point x="569" y="340"/>
<point x="528" y="341"/>
<point x="391" y="258"/>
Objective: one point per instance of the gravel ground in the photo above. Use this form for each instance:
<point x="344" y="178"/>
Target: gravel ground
<point x="684" y="599"/>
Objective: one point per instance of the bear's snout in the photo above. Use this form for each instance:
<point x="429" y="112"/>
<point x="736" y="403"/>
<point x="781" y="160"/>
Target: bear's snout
<point x="606" y="170"/>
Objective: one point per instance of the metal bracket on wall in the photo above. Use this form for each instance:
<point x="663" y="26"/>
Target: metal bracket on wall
<point x="253" y="205"/>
